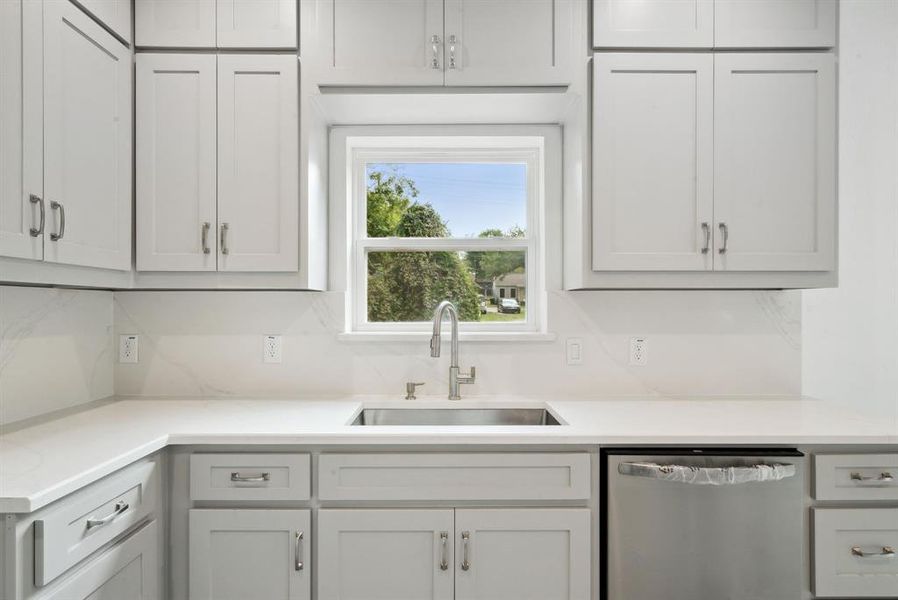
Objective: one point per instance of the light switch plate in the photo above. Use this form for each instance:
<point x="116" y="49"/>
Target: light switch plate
<point x="127" y="348"/>
<point x="574" y="351"/>
<point x="271" y="349"/>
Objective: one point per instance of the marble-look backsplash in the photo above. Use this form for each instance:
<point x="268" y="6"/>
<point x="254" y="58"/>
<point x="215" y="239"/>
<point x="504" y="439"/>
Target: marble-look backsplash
<point x="699" y="343"/>
<point x="55" y="350"/>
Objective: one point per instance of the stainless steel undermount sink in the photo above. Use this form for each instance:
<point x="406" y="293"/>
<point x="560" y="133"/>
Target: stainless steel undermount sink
<point x="455" y="416"/>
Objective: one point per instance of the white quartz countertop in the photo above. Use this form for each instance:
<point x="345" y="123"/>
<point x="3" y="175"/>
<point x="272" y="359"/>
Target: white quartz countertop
<point x="46" y="461"/>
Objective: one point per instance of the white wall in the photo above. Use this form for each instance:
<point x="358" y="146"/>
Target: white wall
<point x="699" y="342"/>
<point x="55" y="350"/>
<point x="850" y="334"/>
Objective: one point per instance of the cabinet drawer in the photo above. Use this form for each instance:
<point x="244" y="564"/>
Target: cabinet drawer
<point x="88" y="519"/>
<point x="250" y="477"/>
<point x="856" y="476"/>
<point x="454" y="476"/>
<point x="854" y="552"/>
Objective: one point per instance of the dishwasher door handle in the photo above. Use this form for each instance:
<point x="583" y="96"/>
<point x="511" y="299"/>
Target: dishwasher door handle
<point x="722" y="475"/>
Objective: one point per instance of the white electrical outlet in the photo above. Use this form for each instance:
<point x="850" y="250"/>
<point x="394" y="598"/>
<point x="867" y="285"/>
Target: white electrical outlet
<point x="574" y="351"/>
<point x="639" y="351"/>
<point x="127" y="348"/>
<point x="271" y="349"/>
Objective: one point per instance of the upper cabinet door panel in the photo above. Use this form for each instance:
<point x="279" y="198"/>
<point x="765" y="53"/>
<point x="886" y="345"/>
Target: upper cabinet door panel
<point x="653" y="23"/>
<point x="174" y="23"/>
<point x="775" y="23"/>
<point x="774" y="159"/>
<point x="652" y="162"/>
<point x="508" y="42"/>
<point x="115" y="14"/>
<point x="375" y="42"/>
<point x="87" y="141"/>
<point x="176" y="162"/>
<point x="258" y="162"/>
<point x="256" y="23"/>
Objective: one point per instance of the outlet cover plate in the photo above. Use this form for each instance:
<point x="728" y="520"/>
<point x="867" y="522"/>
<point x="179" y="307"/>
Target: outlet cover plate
<point x="127" y="348"/>
<point x="271" y="349"/>
<point x="639" y="352"/>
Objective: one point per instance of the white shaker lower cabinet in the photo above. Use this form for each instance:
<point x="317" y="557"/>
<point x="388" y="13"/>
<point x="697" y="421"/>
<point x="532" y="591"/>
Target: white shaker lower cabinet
<point x="87" y="141"/>
<point x="258" y="163"/>
<point x="774" y="23"/>
<point x="385" y="554"/>
<point x="256" y="23"/>
<point x="653" y="23"/>
<point x="653" y="196"/>
<point x="178" y="23"/>
<point x="239" y="554"/>
<point x="774" y="162"/>
<point x="522" y="554"/>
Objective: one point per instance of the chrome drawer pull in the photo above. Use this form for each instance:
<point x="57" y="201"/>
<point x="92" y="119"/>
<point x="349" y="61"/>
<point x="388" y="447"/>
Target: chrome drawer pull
<point x="120" y="507"/>
<point x="884" y="477"/>
<point x="435" y="48"/>
<point x="36" y="231"/>
<point x="886" y="552"/>
<point x="453" y="41"/>
<point x="444" y="559"/>
<point x="297" y="552"/>
<point x="725" y="234"/>
<point x="223" y="242"/>
<point x="235" y="476"/>
<point x="465" y="563"/>
<point x="54" y="205"/>
<point x="205" y="234"/>
<point x="706" y="229"/>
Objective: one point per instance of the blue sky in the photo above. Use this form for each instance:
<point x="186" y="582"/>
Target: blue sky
<point x="470" y="197"/>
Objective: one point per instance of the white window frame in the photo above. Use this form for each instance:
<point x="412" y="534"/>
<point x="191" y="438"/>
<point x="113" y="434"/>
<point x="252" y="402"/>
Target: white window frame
<point x="352" y="150"/>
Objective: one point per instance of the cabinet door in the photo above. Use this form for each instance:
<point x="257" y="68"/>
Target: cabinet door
<point x="652" y="162"/>
<point x="256" y="23"/>
<point x="774" y="162"/>
<point x="653" y="23"/>
<point x="375" y="42"/>
<point x="87" y="141"/>
<point x="258" y="163"/>
<point x="175" y="159"/>
<point x="115" y="14"/>
<point x="508" y="42"/>
<point x="385" y="554"/>
<point x="240" y="554"/>
<point x="174" y="23"/>
<point x="20" y="216"/>
<point x="774" y="23"/>
<point x="522" y="554"/>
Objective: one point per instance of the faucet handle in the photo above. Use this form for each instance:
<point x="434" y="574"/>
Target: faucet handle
<point x="410" y="387"/>
<point x="468" y="377"/>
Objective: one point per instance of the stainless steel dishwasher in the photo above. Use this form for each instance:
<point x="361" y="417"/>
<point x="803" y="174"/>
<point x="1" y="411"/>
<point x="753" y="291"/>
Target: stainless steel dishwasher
<point x="702" y="524"/>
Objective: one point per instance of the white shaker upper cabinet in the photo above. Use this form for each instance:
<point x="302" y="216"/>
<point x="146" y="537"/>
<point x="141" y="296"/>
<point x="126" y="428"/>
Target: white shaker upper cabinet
<point x="21" y="225"/>
<point x="774" y="23"/>
<point x="174" y="23"/>
<point x="375" y="42"/>
<point x="508" y="42"/>
<point x="256" y="23"/>
<point x="258" y="163"/>
<point x="774" y="159"/>
<point x="87" y="141"/>
<point x="176" y="218"/>
<point x="653" y="205"/>
<point x="115" y="14"/>
<point x="509" y="554"/>
<point x="653" y="23"/>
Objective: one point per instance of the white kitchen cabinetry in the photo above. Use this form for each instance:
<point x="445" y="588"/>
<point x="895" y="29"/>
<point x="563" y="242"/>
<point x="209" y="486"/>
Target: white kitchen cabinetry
<point x="211" y="23"/>
<point x="774" y="162"/>
<point x="774" y="23"/>
<point x="87" y="141"/>
<point x="115" y="14"/>
<point x="653" y="23"/>
<point x="385" y="554"/>
<point x="653" y="161"/>
<point x="439" y="42"/>
<point x="513" y="554"/>
<point x="242" y="553"/>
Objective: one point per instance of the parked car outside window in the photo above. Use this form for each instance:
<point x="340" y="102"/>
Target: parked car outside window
<point x="509" y="305"/>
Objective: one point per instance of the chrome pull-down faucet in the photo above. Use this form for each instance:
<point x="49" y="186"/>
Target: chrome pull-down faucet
<point x="455" y="377"/>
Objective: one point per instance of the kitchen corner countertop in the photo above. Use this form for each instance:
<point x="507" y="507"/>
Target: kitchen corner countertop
<point x="46" y="461"/>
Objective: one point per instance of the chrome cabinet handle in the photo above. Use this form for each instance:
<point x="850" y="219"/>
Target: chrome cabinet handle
<point x="435" y="48"/>
<point x="235" y="476"/>
<point x="465" y="563"/>
<point x="297" y="552"/>
<point x="453" y="41"/>
<point x="725" y="233"/>
<point x="706" y="229"/>
<point x="886" y="552"/>
<point x="884" y="477"/>
<point x="206" y="227"/>
<point x="120" y="507"/>
<point x="54" y="205"/>
<point x="40" y="227"/>
<point x="224" y="238"/>
<point x="444" y="558"/>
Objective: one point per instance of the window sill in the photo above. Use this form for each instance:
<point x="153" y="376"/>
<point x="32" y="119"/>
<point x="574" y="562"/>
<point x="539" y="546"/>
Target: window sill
<point x="465" y="336"/>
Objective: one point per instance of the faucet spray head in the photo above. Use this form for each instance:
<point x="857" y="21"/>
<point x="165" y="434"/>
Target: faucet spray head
<point x="435" y="345"/>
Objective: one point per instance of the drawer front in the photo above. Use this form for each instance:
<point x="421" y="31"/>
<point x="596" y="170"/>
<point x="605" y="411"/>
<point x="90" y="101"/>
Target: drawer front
<point x="856" y="476"/>
<point x="454" y="476"/>
<point x="854" y="552"/>
<point x="250" y="477"/>
<point x="86" y="520"/>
